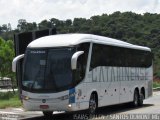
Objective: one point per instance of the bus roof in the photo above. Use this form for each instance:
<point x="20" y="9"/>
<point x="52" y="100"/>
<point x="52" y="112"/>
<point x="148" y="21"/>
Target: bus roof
<point x="62" y="40"/>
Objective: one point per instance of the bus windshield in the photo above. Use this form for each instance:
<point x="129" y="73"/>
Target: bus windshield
<point x="48" y="70"/>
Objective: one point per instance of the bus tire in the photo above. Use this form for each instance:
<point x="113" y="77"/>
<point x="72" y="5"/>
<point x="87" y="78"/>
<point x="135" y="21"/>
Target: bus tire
<point x="141" y="98"/>
<point x="135" y="98"/>
<point x="93" y="104"/>
<point x="47" y="113"/>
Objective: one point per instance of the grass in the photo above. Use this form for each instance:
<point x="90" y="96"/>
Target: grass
<point x="156" y="84"/>
<point x="9" y="99"/>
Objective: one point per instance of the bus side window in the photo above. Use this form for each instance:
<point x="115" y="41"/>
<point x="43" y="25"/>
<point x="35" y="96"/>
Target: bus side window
<point x="80" y="68"/>
<point x="82" y="60"/>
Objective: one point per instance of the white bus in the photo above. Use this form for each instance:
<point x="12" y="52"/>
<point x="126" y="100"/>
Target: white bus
<point x="72" y="72"/>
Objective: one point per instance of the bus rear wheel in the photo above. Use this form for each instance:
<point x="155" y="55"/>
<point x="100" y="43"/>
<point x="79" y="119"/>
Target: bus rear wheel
<point x="141" y="98"/>
<point x="47" y="113"/>
<point x="135" y="99"/>
<point x="93" y="104"/>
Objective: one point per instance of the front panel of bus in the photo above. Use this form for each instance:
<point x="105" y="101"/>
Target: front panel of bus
<point x="48" y="81"/>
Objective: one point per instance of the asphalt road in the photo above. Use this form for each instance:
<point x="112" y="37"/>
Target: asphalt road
<point x="151" y="106"/>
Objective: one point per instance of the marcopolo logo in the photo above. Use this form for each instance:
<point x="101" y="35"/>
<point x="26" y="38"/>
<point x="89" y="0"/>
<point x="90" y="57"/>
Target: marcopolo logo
<point x="38" y="52"/>
<point x="43" y="100"/>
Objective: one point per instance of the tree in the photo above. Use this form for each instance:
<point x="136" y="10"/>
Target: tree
<point x="68" y="22"/>
<point x="1" y="30"/>
<point x="22" y="25"/>
<point x="9" y="27"/>
<point x="44" y="24"/>
<point x="6" y="57"/>
<point x="4" y="28"/>
<point x="31" y="26"/>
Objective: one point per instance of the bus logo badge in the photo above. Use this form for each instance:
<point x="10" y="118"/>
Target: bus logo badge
<point x="43" y="100"/>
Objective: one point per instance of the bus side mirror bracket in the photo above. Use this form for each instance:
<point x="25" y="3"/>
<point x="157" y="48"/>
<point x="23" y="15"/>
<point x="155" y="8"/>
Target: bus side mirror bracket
<point x="15" y="60"/>
<point x="74" y="59"/>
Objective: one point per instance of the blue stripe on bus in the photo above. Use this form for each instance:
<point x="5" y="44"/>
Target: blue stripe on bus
<point x="72" y="95"/>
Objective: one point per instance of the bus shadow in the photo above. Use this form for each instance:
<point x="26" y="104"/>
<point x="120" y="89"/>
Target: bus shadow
<point x="104" y="111"/>
<point x="115" y="109"/>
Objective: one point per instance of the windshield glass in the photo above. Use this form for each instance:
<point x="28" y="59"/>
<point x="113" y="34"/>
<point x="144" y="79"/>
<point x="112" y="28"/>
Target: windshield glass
<point x="48" y="69"/>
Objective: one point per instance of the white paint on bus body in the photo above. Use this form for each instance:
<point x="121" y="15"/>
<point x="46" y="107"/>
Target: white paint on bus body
<point x="64" y="40"/>
<point x="114" y="85"/>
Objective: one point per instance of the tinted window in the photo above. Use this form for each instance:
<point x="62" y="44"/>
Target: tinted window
<point x="105" y="55"/>
<point x="82" y="61"/>
<point x="48" y="70"/>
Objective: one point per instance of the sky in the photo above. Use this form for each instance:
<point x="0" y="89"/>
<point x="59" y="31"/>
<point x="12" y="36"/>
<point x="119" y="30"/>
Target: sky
<point x="37" y="10"/>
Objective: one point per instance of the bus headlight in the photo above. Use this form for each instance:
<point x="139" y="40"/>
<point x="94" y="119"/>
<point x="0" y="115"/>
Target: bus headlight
<point x="69" y="105"/>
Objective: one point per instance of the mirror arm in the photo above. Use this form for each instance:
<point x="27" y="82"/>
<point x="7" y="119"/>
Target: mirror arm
<point x="74" y="59"/>
<point x="14" y="62"/>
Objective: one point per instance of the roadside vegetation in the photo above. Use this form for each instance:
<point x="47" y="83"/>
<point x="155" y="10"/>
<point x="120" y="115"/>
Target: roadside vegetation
<point x="139" y="29"/>
<point x="9" y="99"/>
<point x="156" y="84"/>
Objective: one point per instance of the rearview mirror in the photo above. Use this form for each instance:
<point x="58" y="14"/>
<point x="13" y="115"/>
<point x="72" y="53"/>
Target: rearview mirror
<point x="15" y="60"/>
<point x="74" y="59"/>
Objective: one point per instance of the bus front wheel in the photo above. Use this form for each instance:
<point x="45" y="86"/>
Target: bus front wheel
<point x="93" y="104"/>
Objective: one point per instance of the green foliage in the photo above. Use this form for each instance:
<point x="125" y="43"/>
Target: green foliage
<point x="8" y="95"/>
<point x="13" y="102"/>
<point x="9" y="99"/>
<point x="156" y="84"/>
<point x="134" y="28"/>
<point x="6" y="57"/>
